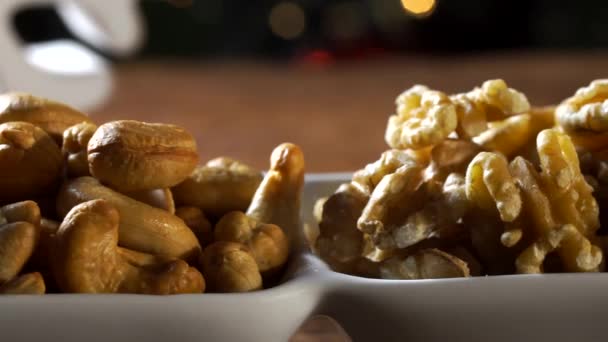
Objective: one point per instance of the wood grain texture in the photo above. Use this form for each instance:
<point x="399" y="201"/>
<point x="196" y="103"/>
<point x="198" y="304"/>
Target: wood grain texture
<point x="337" y="114"/>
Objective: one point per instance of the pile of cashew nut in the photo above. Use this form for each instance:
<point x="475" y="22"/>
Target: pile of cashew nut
<point x="476" y="183"/>
<point x="125" y="207"/>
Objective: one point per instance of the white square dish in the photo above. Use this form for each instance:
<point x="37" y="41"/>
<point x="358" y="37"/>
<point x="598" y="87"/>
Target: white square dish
<point x="559" y="307"/>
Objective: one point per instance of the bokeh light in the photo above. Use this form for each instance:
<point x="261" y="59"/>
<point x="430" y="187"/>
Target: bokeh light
<point x="419" y="7"/>
<point x="387" y="17"/>
<point x="345" y="21"/>
<point x="287" y="20"/>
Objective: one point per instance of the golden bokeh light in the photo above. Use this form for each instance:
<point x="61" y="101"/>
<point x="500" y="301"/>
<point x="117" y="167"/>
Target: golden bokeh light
<point x="419" y="7"/>
<point x="287" y="20"/>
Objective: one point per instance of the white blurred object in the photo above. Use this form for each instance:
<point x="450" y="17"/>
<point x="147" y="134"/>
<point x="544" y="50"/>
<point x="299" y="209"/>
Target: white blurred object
<point x="65" y="70"/>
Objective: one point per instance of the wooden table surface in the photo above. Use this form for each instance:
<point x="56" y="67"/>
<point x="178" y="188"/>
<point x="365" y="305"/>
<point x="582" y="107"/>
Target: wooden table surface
<point x="337" y="114"/>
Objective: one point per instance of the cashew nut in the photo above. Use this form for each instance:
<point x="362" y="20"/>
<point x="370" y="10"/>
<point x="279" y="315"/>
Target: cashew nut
<point x="220" y="186"/>
<point x="50" y="116"/>
<point x="133" y="156"/>
<point x="87" y="259"/>
<point x="267" y="242"/>
<point x="26" y="211"/>
<point x="158" y="198"/>
<point x="41" y="258"/>
<point x="31" y="162"/>
<point x="30" y="283"/>
<point x="277" y="199"/>
<point x="17" y="242"/>
<point x="18" y="237"/>
<point x="229" y="267"/>
<point x="142" y="227"/>
<point x="196" y="220"/>
<point x="74" y="148"/>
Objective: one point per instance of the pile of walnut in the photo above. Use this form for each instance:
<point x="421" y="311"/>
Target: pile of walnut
<point x="124" y="207"/>
<point x="478" y="183"/>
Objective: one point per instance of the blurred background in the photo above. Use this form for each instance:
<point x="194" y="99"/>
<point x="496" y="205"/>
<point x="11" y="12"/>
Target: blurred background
<point x="244" y="76"/>
<point x="282" y="30"/>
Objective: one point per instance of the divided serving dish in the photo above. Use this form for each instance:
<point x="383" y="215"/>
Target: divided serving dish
<point x="557" y="307"/>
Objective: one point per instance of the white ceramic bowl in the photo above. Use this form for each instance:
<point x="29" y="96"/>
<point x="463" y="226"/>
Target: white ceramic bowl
<point x="560" y="307"/>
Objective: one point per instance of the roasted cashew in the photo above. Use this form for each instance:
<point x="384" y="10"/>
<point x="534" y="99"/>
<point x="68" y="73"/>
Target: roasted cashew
<point x="87" y="259"/>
